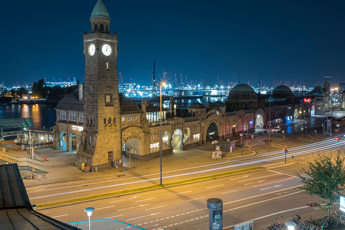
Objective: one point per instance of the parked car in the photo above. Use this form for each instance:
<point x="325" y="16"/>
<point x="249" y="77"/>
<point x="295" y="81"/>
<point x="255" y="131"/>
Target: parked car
<point x="276" y="129"/>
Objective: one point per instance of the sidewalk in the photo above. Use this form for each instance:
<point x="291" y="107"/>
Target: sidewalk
<point x="61" y="168"/>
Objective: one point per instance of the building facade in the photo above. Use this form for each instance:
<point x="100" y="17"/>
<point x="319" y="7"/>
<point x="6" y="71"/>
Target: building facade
<point x="102" y="126"/>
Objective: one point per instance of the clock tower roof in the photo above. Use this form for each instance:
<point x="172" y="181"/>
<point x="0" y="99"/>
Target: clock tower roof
<point x="100" y="11"/>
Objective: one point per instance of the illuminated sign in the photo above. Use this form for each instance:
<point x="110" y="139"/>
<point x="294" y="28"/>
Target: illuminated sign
<point x="78" y="128"/>
<point x="306" y="100"/>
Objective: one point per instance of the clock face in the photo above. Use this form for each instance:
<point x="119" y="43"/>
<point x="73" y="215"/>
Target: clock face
<point x="92" y="49"/>
<point x="106" y="49"/>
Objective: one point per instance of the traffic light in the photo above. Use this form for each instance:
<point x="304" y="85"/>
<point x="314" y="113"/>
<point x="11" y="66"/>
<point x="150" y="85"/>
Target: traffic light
<point x="337" y="139"/>
<point x="284" y="150"/>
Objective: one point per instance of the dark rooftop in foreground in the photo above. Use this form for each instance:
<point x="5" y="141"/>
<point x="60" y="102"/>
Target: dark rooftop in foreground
<point x="15" y="209"/>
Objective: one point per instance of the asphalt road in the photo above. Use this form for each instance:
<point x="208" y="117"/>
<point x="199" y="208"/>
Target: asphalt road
<point x="50" y="193"/>
<point x="259" y="196"/>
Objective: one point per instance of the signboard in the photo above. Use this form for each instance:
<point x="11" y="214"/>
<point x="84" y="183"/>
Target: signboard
<point x="342" y="203"/>
<point x="7" y="142"/>
<point x="245" y="226"/>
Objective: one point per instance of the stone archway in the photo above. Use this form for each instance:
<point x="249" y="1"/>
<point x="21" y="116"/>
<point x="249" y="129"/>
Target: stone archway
<point x="312" y="111"/>
<point x="63" y="141"/>
<point x="166" y="138"/>
<point x="177" y="140"/>
<point x="132" y="146"/>
<point x="212" y="132"/>
<point x="296" y="114"/>
<point x="72" y="142"/>
<point x="186" y="135"/>
<point x="130" y="149"/>
<point x="259" y="122"/>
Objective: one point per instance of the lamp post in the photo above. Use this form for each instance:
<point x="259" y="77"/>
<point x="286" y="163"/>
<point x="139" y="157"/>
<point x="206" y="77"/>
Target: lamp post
<point x="89" y="214"/>
<point x="160" y="139"/>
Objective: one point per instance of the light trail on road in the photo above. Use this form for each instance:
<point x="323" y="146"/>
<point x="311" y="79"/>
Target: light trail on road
<point x="315" y="147"/>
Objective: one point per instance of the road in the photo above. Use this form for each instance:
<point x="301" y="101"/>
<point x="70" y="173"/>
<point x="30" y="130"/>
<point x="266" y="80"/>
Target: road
<point x="49" y="193"/>
<point x="256" y="195"/>
<point x="259" y="195"/>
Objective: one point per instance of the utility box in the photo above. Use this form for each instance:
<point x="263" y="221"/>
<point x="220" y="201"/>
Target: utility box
<point x="215" y="206"/>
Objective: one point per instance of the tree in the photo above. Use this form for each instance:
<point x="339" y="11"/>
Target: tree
<point x="325" y="178"/>
<point x="22" y="91"/>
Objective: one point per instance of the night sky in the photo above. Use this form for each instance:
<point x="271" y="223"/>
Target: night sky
<point x="279" y="40"/>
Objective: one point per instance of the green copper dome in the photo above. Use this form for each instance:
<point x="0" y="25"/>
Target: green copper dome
<point x="100" y="11"/>
<point x="242" y="88"/>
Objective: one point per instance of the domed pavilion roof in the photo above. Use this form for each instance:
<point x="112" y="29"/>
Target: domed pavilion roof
<point x="242" y="88"/>
<point x="318" y="92"/>
<point x="282" y="90"/>
<point x="100" y="11"/>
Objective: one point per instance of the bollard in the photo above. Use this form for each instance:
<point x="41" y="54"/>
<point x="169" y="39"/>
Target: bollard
<point x="215" y="206"/>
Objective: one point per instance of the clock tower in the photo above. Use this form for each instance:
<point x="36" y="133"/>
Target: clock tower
<point x="101" y="142"/>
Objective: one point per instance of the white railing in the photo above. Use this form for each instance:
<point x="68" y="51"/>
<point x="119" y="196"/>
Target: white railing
<point x="23" y="161"/>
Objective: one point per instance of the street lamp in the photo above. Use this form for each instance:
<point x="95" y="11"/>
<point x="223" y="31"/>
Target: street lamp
<point x="160" y="139"/>
<point x="89" y="214"/>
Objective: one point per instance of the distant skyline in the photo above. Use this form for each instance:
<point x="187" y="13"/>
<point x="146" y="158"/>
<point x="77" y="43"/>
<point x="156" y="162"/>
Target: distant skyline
<point x="294" y="40"/>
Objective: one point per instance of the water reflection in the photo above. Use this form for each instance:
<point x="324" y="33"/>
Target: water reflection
<point x="41" y="115"/>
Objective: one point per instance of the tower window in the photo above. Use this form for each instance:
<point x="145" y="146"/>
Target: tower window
<point x="105" y="122"/>
<point x="108" y="99"/>
<point x="106" y="28"/>
<point x="96" y="27"/>
<point x="109" y="122"/>
<point x="114" y="121"/>
<point x="107" y="66"/>
<point x="102" y="27"/>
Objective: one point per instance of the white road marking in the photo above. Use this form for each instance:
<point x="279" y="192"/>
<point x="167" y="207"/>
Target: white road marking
<point x="269" y="170"/>
<point x="305" y="149"/>
<point x="275" y="186"/>
<point x="139" y="217"/>
<point x="182" y="192"/>
<point x="215" y="186"/>
<point x="146" y="199"/>
<point x="197" y="199"/>
<point x="112" y="206"/>
<point x="115" y="201"/>
<point x="318" y="146"/>
<point x="272" y="182"/>
<point x="229" y="192"/>
<point x="125" y="209"/>
<point x="256" y="178"/>
<point x="59" y="216"/>
<point x="272" y="214"/>
<point x="239" y="177"/>
<point x="156" y="207"/>
<point x="262" y="201"/>
<point x="264" y="194"/>
<point x="115" y="216"/>
<point x="254" y="182"/>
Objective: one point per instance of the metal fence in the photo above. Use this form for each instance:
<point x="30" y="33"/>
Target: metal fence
<point x="23" y="161"/>
<point x="104" y="224"/>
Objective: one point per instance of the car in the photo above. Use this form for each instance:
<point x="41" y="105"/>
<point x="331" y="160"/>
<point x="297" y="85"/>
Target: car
<point x="276" y="129"/>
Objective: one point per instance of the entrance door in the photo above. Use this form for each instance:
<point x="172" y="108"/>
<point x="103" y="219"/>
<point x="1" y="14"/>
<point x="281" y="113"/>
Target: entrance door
<point x="110" y="158"/>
